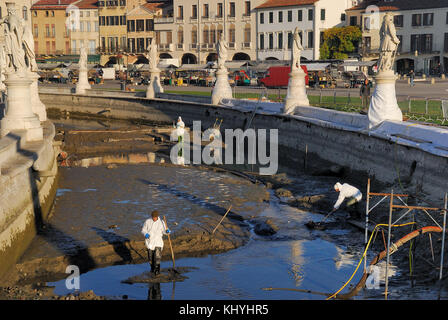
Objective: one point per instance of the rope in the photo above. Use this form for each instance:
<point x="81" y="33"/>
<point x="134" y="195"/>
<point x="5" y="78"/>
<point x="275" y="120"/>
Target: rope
<point x="364" y="255"/>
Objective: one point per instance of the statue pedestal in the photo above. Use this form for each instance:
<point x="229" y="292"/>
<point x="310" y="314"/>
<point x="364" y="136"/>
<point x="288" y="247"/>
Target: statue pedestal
<point x="37" y="106"/>
<point x="83" y="82"/>
<point x="296" y="95"/>
<point x="19" y="114"/>
<point x="222" y="89"/>
<point x="154" y="84"/>
<point x="383" y="105"/>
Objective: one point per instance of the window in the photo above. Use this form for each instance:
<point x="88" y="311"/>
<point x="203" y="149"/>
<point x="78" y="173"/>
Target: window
<point x="247" y="33"/>
<point x="310" y="14"/>
<point x="398" y="21"/>
<point x="220" y="11"/>
<point x="81" y="26"/>
<point x="92" y="46"/>
<point x="53" y="30"/>
<point x="247" y="8"/>
<point x="289" y="16"/>
<point x="310" y="39"/>
<point x="149" y="24"/>
<point x="367" y="23"/>
<point x="322" y="14"/>
<point x="232" y="9"/>
<point x="321" y="38"/>
<point x="421" y="43"/>
<point x="290" y="39"/>
<point x="205" y="15"/>
<point x="416" y="20"/>
<point x="131" y="25"/>
<point x="367" y="41"/>
<point x="299" y="15"/>
<point x="194" y="11"/>
<point x="353" y="21"/>
<point x="428" y="19"/>
<point x="280" y="40"/>
<point x="140" y="25"/>
<point x="52" y="13"/>
<point x="271" y="17"/>
<point x="342" y="16"/>
<point x="180" y="12"/>
<point x="194" y="36"/>
<point x="262" y="41"/>
<point x="232" y="34"/>
<point x="280" y="16"/>
<point x="271" y="41"/>
<point x="46" y="14"/>
<point x="25" y="13"/>
<point x="446" y="42"/>
<point x="97" y="28"/>
<point x="88" y="26"/>
<point x="81" y="14"/>
<point x="180" y="36"/>
<point x="262" y="17"/>
<point x="400" y="45"/>
<point x="36" y="30"/>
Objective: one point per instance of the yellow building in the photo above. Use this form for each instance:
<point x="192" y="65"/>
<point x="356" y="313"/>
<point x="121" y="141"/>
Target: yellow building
<point x="112" y="30"/>
<point x="84" y="26"/>
<point x="51" y="34"/>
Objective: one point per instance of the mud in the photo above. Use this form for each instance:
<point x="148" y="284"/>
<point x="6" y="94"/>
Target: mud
<point x="99" y="211"/>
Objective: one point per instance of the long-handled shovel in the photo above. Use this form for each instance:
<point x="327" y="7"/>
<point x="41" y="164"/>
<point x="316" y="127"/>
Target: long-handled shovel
<point x="171" y="247"/>
<point x="213" y="232"/>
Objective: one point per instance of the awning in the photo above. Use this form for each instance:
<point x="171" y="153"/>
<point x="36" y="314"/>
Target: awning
<point x="316" y="66"/>
<point x="359" y="63"/>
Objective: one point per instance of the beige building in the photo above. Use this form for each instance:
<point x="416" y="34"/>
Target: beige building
<point x="140" y="27"/>
<point x="190" y="29"/>
<point x="84" y="26"/>
<point x="421" y="26"/>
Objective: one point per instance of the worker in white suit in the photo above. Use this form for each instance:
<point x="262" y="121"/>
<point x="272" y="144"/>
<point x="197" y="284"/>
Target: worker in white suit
<point x="153" y="230"/>
<point x="349" y="192"/>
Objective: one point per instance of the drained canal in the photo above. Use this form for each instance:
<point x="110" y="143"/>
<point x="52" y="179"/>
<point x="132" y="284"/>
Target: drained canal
<point x="101" y="207"/>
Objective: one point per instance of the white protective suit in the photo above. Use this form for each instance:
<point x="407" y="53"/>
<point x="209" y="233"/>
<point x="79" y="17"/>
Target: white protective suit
<point x="346" y="191"/>
<point x="156" y="230"/>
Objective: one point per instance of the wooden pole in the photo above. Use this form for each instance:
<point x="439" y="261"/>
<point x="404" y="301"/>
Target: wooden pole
<point x="171" y="247"/>
<point x="443" y="237"/>
<point x="213" y="232"/>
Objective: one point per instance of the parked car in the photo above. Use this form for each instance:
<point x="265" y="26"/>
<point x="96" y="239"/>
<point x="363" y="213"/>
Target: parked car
<point x="278" y="77"/>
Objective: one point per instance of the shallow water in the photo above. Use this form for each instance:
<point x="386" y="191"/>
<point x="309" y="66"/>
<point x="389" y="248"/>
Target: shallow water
<point x="295" y="257"/>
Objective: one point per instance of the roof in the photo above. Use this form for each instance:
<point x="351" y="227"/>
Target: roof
<point x="52" y="4"/>
<point x="87" y="4"/>
<point x="395" y="5"/>
<point x="153" y="6"/>
<point x="285" y="3"/>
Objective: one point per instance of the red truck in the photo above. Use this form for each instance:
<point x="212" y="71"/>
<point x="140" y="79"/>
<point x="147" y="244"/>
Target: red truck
<point x="279" y="76"/>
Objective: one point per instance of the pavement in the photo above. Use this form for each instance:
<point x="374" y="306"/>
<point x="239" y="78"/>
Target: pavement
<point x="422" y="89"/>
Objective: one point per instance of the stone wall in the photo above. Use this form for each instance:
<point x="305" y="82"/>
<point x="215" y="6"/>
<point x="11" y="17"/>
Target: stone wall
<point x="28" y="184"/>
<point x="382" y="158"/>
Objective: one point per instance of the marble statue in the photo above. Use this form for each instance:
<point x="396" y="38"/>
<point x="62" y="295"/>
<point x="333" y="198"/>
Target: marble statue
<point x="388" y="44"/>
<point x="83" y="57"/>
<point x="13" y="32"/>
<point x="28" y="46"/>
<point x="221" y="48"/>
<point x="296" y="50"/>
<point x="3" y="64"/>
<point x="152" y="55"/>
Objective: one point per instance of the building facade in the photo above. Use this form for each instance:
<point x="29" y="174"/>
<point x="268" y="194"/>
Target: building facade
<point x="84" y="26"/>
<point x="421" y="26"/>
<point x="140" y="26"/>
<point x="50" y="30"/>
<point x="112" y="30"/>
<point x="277" y="19"/>
<point x="191" y="31"/>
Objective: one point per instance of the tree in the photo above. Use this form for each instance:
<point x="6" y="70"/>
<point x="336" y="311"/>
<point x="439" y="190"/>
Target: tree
<point x="338" y="42"/>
